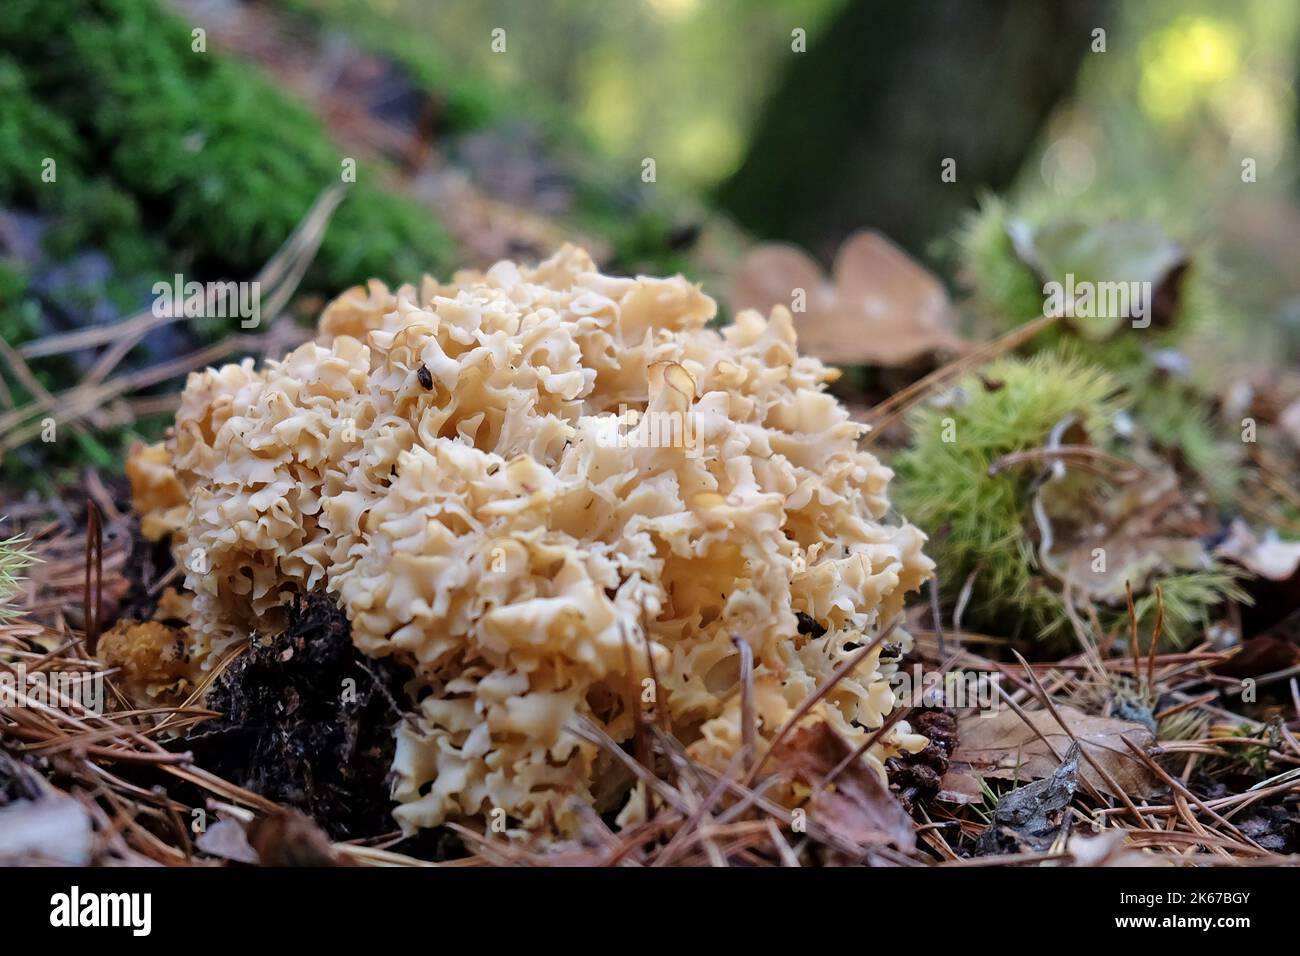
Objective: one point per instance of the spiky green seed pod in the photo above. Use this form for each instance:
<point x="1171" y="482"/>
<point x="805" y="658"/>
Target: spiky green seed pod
<point x="1172" y="407"/>
<point x="981" y="518"/>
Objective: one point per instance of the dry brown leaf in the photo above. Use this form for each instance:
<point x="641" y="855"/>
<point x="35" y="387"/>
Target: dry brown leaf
<point x="960" y="785"/>
<point x="771" y="272"/>
<point x="880" y="308"/>
<point x="1004" y="747"/>
<point x="857" y="806"/>
<point x="1146" y="527"/>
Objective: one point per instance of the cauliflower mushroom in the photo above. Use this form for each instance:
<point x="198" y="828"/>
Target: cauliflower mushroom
<point x="479" y="474"/>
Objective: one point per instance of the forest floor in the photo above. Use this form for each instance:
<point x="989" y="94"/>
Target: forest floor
<point x="1115" y="745"/>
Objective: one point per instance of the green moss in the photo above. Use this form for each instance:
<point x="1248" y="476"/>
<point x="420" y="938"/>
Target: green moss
<point x="167" y="160"/>
<point x="19" y="314"/>
<point x="207" y="156"/>
<point x="217" y="161"/>
<point x="14" y="559"/>
<point x="29" y="133"/>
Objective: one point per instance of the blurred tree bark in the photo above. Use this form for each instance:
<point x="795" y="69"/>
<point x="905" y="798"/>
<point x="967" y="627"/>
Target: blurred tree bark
<point x="856" y="133"/>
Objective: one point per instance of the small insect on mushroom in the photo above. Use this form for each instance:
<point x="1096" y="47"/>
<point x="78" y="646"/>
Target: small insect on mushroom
<point x="425" y="377"/>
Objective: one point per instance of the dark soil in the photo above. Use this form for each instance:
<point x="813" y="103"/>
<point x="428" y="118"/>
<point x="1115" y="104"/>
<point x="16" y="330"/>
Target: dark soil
<point x="148" y="564"/>
<point x="307" y="721"/>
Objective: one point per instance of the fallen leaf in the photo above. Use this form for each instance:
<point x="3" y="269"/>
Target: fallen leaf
<point x="857" y="806"/>
<point x="1004" y="747"/>
<point x="770" y="274"/>
<point x="1266" y="556"/>
<point x="1030" y="817"/>
<point x="959" y="785"/>
<point x="1271" y="580"/>
<point x="1145" y="526"/>
<point x="880" y="308"/>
